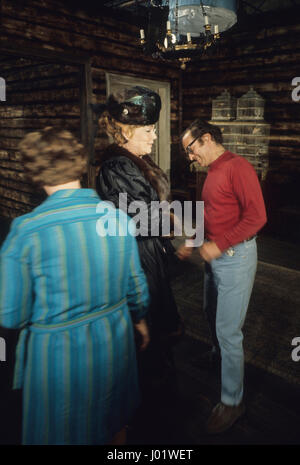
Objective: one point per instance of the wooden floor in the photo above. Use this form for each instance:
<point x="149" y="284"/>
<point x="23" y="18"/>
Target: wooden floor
<point x="272" y="415"/>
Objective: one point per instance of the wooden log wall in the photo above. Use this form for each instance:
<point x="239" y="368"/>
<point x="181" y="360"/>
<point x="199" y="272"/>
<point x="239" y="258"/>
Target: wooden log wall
<point x="38" y="94"/>
<point x="266" y="56"/>
<point x="49" y="25"/>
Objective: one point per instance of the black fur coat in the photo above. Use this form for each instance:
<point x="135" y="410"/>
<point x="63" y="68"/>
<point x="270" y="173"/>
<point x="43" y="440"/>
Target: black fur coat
<point x="142" y="180"/>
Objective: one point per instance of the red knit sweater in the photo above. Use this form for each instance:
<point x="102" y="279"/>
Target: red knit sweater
<point x="234" y="208"/>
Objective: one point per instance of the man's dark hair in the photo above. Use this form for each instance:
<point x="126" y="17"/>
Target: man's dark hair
<point x="200" y="127"/>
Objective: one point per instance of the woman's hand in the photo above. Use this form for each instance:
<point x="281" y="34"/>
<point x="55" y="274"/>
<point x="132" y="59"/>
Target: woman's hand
<point x="184" y="252"/>
<point x="142" y="328"/>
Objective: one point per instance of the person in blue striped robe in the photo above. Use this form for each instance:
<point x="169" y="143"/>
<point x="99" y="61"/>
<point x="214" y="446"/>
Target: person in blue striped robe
<point x="76" y="293"/>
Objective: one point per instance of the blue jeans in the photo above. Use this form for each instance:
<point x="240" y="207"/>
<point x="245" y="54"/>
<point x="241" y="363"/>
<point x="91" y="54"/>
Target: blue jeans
<point x="228" y="283"/>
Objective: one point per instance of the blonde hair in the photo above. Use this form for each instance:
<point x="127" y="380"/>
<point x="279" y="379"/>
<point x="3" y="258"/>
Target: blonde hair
<point x="118" y="131"/>
<point x="52" y="157"/>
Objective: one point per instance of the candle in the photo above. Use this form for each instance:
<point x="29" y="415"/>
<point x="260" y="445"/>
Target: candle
<point x="168" y="25"/>
<point x="206" y="20"/>
<point x="188" y="35"/>
<point x="216" y="29"/>
<point x="142" y="32"/>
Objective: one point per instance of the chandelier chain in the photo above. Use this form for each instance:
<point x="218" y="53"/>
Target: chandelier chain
<point x="176" y="19"/>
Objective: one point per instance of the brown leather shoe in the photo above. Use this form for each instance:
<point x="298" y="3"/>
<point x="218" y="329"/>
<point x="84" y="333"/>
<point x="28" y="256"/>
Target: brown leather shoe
<point x="223" y="417"/>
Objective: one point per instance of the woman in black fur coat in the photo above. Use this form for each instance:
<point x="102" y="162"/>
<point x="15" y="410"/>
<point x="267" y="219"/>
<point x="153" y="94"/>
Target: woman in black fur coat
<point x="126" y="167"/>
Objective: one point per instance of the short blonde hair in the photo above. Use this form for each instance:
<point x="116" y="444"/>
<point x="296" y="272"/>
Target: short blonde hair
<point x="52" y="157"/>
<point x="115" y="129"/>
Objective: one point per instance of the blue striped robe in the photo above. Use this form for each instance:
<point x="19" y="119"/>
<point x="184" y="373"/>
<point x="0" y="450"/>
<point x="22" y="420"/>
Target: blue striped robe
<point x="73" y="290"/>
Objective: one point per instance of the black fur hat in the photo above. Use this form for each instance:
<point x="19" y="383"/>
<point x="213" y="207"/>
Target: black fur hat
<point x="138" y="105"/>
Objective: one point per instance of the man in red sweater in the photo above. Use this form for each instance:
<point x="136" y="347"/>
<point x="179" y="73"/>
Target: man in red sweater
<point x="234" y="211"/>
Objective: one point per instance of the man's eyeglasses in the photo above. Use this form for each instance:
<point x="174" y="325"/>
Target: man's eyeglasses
<point x="189" y="149"/>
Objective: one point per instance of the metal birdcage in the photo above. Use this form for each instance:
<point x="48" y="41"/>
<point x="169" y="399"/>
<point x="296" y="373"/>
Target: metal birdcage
<point x="250" y="106"/>
<point x="248" y="134"/>
<point x="224" y="107"/>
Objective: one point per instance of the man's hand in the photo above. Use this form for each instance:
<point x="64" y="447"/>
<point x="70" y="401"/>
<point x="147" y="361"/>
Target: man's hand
<point x="209" y="251"/>
<point x="183" y="252"/>
<point x="142" y="328"/>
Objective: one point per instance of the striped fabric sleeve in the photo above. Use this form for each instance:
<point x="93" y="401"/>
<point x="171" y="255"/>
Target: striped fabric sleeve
<point x="16" y="288"/>
<point x="138" y="294"/>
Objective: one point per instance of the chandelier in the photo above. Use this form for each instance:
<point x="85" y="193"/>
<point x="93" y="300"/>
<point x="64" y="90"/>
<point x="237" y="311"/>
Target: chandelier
<point x="185" y="29"/>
